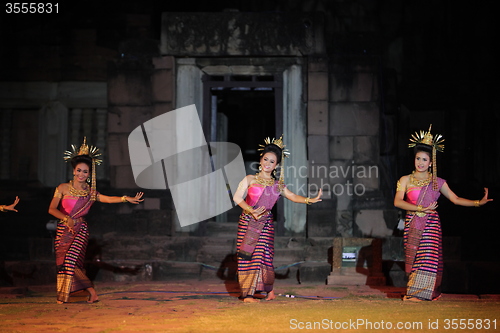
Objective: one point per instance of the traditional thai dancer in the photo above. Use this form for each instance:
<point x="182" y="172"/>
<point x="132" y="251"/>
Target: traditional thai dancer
<point x="70" y="204"/>
<point x="255" y="239"/>
<point x="418" y="193"/>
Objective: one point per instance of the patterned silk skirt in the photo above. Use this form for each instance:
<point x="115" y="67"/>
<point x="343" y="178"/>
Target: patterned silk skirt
<point x="257" y="273"/>
<point x="70" y="254"/>
<point x="424" y="258"/>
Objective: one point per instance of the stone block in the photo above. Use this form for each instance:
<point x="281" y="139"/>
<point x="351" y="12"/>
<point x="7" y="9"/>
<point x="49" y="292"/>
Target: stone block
<point x="166" y="62"/>
<point x="83" y="94"/>
<point x="118" y="150"/>
<point x="163" y="85"/>
<point x="318" y="66"/>
<point x="347" y="279"/>
<point x="129" y="87"/>
<point x="318" y="149"/>
<point x="320" y="223"/>
<point x="354" y="119"/>
<point x="317" y="117"/>
<point x="122" y="177"/>
<point x="160" y="222"/>
<point x="318" y="86"/>
<point x="342" y="148"/>
<point x="313" y="272"/>
<point x="371" y="200"/>
<point x="366" y="180"/>
<point x="359" y="87"/>
<point x="319" y="248"/>
<point x="366" y="149"/>
<point x="152" y="204"/>
<point x="319" y="178"/>
<point x="124" y="119"/>
<point x="372" y="223"/>
<point x="340" y="172"/>
<point x="161" y="108"/>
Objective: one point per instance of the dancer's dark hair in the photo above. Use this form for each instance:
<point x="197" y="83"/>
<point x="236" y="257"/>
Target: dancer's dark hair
<point x="272" y="148"/>
<point x="82" y="159"/>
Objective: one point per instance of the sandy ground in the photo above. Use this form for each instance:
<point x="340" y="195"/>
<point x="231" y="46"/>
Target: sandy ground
<point x="151" y="306"/>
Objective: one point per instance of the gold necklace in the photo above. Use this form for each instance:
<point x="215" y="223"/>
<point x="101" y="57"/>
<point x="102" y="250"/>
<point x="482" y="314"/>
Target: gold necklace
<point x="262" y="181"/>
<point x="77" y="193"/>
<point x="418" y="182"/>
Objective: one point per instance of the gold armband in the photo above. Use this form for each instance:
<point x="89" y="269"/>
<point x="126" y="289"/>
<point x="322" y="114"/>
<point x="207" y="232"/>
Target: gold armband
<point x="241" y="186"/>
<point x="57" y="194"/>
<point x="399" y="187"/>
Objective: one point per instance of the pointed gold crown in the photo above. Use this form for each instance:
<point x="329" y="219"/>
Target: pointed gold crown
<point x="427" y="138"/>
<point x="276" y="142"/>
<point x="284" y="153"/>
<point x="84" y="149"/>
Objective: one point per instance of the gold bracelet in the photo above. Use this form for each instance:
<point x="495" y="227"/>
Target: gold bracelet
<point x="307" y="201"/>
<point x="65" y="220"/>
<point x="2" y="208"/>
<point x="476" y="203"/>
<point x="124" y="198"/>
<point x="419" y="208"/>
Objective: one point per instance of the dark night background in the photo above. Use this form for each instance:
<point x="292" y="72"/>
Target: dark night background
<point x="448" y="75"/>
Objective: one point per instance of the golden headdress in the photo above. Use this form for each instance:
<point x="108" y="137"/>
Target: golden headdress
<point x="93" y="153"/>
<point x="433" y="141"/>
<point x="284" y="153"/>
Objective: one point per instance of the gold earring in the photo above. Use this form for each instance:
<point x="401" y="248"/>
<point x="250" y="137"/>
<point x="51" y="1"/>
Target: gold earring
<point x="260" y="167"/>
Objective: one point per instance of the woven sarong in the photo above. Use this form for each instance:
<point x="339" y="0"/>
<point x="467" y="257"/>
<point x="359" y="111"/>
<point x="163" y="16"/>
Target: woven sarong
<point x="70" y="255"/>
<point x="424" y="258"/>
<point x="423" y="246"/>
<point x="257" y="272"/>
<point x="70" y="247"/>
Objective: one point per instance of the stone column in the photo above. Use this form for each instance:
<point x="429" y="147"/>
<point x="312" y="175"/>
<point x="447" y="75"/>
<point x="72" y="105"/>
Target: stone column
<point x="321" y="217"/>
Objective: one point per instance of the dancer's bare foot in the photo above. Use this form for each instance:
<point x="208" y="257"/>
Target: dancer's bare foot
<point x="60" y="302"/>
<point x="93" y="298"/>
<point x="411" y="299"/>
<point x="270" y="296"/>
<point x="250" y="300"/>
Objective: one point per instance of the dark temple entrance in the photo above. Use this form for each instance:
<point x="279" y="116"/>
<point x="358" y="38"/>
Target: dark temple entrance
<point x="243" y="110"/>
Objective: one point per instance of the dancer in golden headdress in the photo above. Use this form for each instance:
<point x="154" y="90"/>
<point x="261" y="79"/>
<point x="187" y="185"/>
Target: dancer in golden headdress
<point x="417" y="193"/>
<point x="255" y="240"/>
<point x="70" y="204"/>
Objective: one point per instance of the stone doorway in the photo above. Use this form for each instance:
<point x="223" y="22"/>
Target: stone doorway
<point x="195" y="77"/>
<point x="242" y="110"/>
